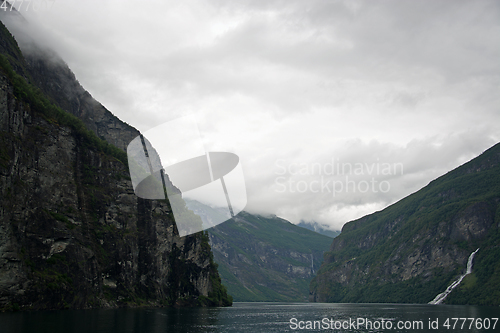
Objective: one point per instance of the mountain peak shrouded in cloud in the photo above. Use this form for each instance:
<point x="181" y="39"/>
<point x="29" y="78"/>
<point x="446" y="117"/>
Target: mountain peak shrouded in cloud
<point x="299" y="83"/>
<point x="319" y="228"/>
<point x="45" y="68"/>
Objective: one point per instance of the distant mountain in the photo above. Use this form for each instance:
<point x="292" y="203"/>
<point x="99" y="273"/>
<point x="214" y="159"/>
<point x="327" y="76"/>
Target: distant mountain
<point x="414" y="249"/>
<point x="266" y="258"/>
<point x="321" y="229"/>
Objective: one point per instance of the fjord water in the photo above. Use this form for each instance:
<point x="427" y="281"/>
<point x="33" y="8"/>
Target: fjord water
<point x="242" y="317"/>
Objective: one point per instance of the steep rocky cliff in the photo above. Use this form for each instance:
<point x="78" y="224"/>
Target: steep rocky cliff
<point x="72" y="232"/>
<point x="266" y="258"/>
<point x="412" y="250"/>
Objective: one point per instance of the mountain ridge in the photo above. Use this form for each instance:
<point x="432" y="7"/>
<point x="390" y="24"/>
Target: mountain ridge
<point x="412" y="250"/>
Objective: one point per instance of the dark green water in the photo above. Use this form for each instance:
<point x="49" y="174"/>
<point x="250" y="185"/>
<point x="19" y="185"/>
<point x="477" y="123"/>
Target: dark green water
<point x="252" y="317"/>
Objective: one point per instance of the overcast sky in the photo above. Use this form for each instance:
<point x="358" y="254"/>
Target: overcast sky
<point x="395" y="93"/>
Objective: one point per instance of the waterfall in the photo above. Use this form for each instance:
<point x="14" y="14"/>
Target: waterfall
<point x="440" y="298"/>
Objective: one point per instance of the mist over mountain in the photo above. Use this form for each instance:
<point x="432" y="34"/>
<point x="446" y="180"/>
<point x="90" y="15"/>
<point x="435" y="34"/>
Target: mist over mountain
<point x="45" y="69"/>
<point x="319" y="228"/>
<point x="372" y="82"/>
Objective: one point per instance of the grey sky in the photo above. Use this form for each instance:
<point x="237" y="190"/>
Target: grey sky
<point x="297" y="84"/>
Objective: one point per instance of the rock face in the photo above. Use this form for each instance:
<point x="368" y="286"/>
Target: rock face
<point x="266" y="258"/>
<point x="412" y="250"/>
<point x="72" y="232"/>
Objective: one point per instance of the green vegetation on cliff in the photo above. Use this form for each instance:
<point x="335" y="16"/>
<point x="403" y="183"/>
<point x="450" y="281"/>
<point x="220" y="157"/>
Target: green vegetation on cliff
<point x="39" y="103"/>
<point x="413" y="249"/>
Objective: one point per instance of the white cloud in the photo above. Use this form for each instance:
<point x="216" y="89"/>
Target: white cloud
<point x="398" y="81"/>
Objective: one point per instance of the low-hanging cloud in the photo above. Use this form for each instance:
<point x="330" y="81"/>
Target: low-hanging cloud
<point x="298" y="81"/>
